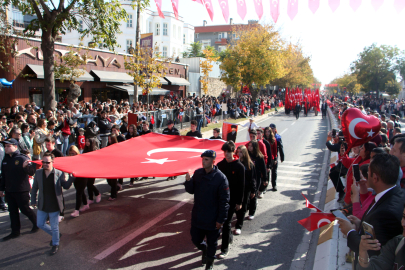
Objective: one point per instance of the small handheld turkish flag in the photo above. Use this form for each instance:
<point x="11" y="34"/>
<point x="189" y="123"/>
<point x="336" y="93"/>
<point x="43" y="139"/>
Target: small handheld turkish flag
<point x="316" y="220"/>
<point x="309" y="205"/>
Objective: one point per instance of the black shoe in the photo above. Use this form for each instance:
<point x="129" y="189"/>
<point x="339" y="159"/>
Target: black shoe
<point x="34" y="229"/>
<point x="274" y="188"/>
<point x="60" y="235"/>
<point x="204" y="256"/>
<point x="4" y="208"/>
<point x="210" y="264"/>
<point x="54" y="250"/>
<point x="10" y="236"/>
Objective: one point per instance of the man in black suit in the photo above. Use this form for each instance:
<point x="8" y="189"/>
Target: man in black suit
<point x="324" y="108"/>
<point x="385" y="213"/>
<point x="232" y="135"/>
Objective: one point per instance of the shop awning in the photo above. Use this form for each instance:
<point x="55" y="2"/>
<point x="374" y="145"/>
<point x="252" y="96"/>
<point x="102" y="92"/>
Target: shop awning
<point x="177" y="81"/>
<point x="130" y="89"/>
<point x="39" y="72"/>
<point x="110" y="76"/>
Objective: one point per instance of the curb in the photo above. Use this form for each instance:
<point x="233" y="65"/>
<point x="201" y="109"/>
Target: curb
<point x="332" y="246"/>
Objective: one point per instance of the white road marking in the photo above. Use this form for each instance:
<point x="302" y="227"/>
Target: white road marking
<point x="297" y="167"/>
<point x="302" y="163"/>
<point x="292" y="172"/>
<point x="293" y="123"/>
<point x="309" y="180"/>
<point x="139" y="231"/>
<point x="295" y="186"/>
<point x="283" y="131"/>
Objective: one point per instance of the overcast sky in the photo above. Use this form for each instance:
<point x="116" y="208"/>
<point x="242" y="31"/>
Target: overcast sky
<point x="333" y="40"/>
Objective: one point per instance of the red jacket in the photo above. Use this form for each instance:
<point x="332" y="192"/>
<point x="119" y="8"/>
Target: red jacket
<point x="274" y="150"/>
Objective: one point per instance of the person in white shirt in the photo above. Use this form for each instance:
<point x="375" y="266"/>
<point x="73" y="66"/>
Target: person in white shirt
<point x="250" y="125"/>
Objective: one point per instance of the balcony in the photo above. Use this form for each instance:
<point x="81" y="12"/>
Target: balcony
<point x="221" y="41"/>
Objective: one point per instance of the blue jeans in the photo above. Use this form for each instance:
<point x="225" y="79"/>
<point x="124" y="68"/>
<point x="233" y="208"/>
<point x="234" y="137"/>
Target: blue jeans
<point x="52" y="230"/>
<point x="199" y="120"/>
<point x="65" y="146"/>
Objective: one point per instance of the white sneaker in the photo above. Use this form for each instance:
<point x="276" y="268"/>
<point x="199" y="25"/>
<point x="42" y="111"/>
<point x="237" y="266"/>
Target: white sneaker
<point x="98" y="198"/>
<point x="84" y="208"/>
<point x="260" y="196"/>
<point x="90" y="201"/>
<point x="237" y="231"/>
<point x="75" y="213"/>
<point x="61" y="218"/>
<point x="251" y="217"/>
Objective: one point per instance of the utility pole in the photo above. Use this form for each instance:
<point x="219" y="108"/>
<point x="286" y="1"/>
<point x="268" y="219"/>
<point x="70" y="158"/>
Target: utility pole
<point x="138" y="11"/>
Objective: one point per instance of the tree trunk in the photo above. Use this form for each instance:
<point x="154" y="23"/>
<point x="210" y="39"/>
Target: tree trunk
<point x="138" y="11"/>
<point x="47" y="46"/>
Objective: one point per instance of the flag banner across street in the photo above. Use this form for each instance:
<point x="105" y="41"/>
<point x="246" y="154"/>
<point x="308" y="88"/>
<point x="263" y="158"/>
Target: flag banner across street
<point x="149" y="155"/>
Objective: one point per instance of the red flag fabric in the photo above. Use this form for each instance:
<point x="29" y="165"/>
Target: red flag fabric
<point x="313" y="5"/>
<point x="132" y="119"/>
<point x="198" y="1"/>
<point x="152" y="154"/>
<point x="355" y="4"/>
<point x="241" y="8"/>
<point x="258" y="8"/>
<point x="316" y="220"/>
<point x="334" y="4"/>
<point x="175" y="5"/>
<point x="377" y="4"/>
<point x="309" y="205"/>
<point x="399" y="5"/>
<point x="152" y="120"/>
<point x="225" y="9"/>
<point x="292" y="8"/>
<point x="275" y="9"/>
<point x="226" y="128"/>
<point x="210" y="8"/>
<point x="159" y="8"/>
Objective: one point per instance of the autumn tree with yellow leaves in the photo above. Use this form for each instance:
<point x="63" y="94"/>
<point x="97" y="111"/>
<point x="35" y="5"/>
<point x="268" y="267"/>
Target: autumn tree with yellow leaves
<point x="256" y="57"/>
<point x="298" y="72"/>
<point x="348" y="82"/>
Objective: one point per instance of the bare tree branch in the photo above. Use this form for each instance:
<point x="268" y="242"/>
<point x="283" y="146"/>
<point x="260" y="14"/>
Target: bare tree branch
<point x="37" y="11"/>
<point x="45" y="7"/>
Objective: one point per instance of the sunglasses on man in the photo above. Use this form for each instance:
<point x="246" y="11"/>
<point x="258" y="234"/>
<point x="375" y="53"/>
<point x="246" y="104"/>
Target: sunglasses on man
<point x="46" y="162"/>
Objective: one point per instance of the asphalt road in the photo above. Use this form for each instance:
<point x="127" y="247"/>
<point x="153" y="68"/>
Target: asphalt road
<point x="148" y="226"/>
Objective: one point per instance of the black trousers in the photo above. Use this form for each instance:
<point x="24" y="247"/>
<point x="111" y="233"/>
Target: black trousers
<point x="337" y="182"/>
<point x="80" y="186"/>
<point x="91" y="189"/>
<point x="198" y="235"/>
<point x="323" y="114"/>
<point x="274" y="175"/>
<point x="121" y="181"/>
<point x="240" y="215"/>
<point x="114" y="187"/>
<point x="227" y="235"/>
<point x="19" y="201"/>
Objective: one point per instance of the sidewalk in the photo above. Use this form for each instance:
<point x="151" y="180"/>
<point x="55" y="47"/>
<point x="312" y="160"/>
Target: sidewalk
<point x="332" y="245"/>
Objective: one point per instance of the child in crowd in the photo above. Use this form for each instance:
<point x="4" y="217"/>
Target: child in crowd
<point x="81" y="141"/>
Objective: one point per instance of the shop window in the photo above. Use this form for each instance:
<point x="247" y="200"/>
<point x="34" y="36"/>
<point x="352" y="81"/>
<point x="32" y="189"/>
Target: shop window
<point x="102" y="94"/>
<point x="35" y="95"/>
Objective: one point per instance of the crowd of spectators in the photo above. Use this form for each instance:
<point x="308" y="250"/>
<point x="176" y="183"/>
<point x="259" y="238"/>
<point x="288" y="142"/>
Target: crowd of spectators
<point x="372" y="199"/>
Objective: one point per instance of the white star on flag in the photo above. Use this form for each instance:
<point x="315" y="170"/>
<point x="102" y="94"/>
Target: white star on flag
<point x="370" y="133"/>
<point x="158" y="161"/>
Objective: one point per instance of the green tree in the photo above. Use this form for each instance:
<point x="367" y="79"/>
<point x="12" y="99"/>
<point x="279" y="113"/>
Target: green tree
<point x="67" y="68"/>
<point x="256" y="58"/>
<point x="376" y="66"/>
<point x="97" y="18"/>
<point x="194" y="51"/>
<point x="392" y="87"/>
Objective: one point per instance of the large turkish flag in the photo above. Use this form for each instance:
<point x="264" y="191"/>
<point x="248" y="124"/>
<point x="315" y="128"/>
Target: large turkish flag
<point x="148" y="155"/>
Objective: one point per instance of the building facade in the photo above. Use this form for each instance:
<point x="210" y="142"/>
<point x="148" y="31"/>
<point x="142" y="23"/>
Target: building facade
<point x="217" y="36"/>
<point x="171" y="37"/>
<point x="105" y="77"/>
